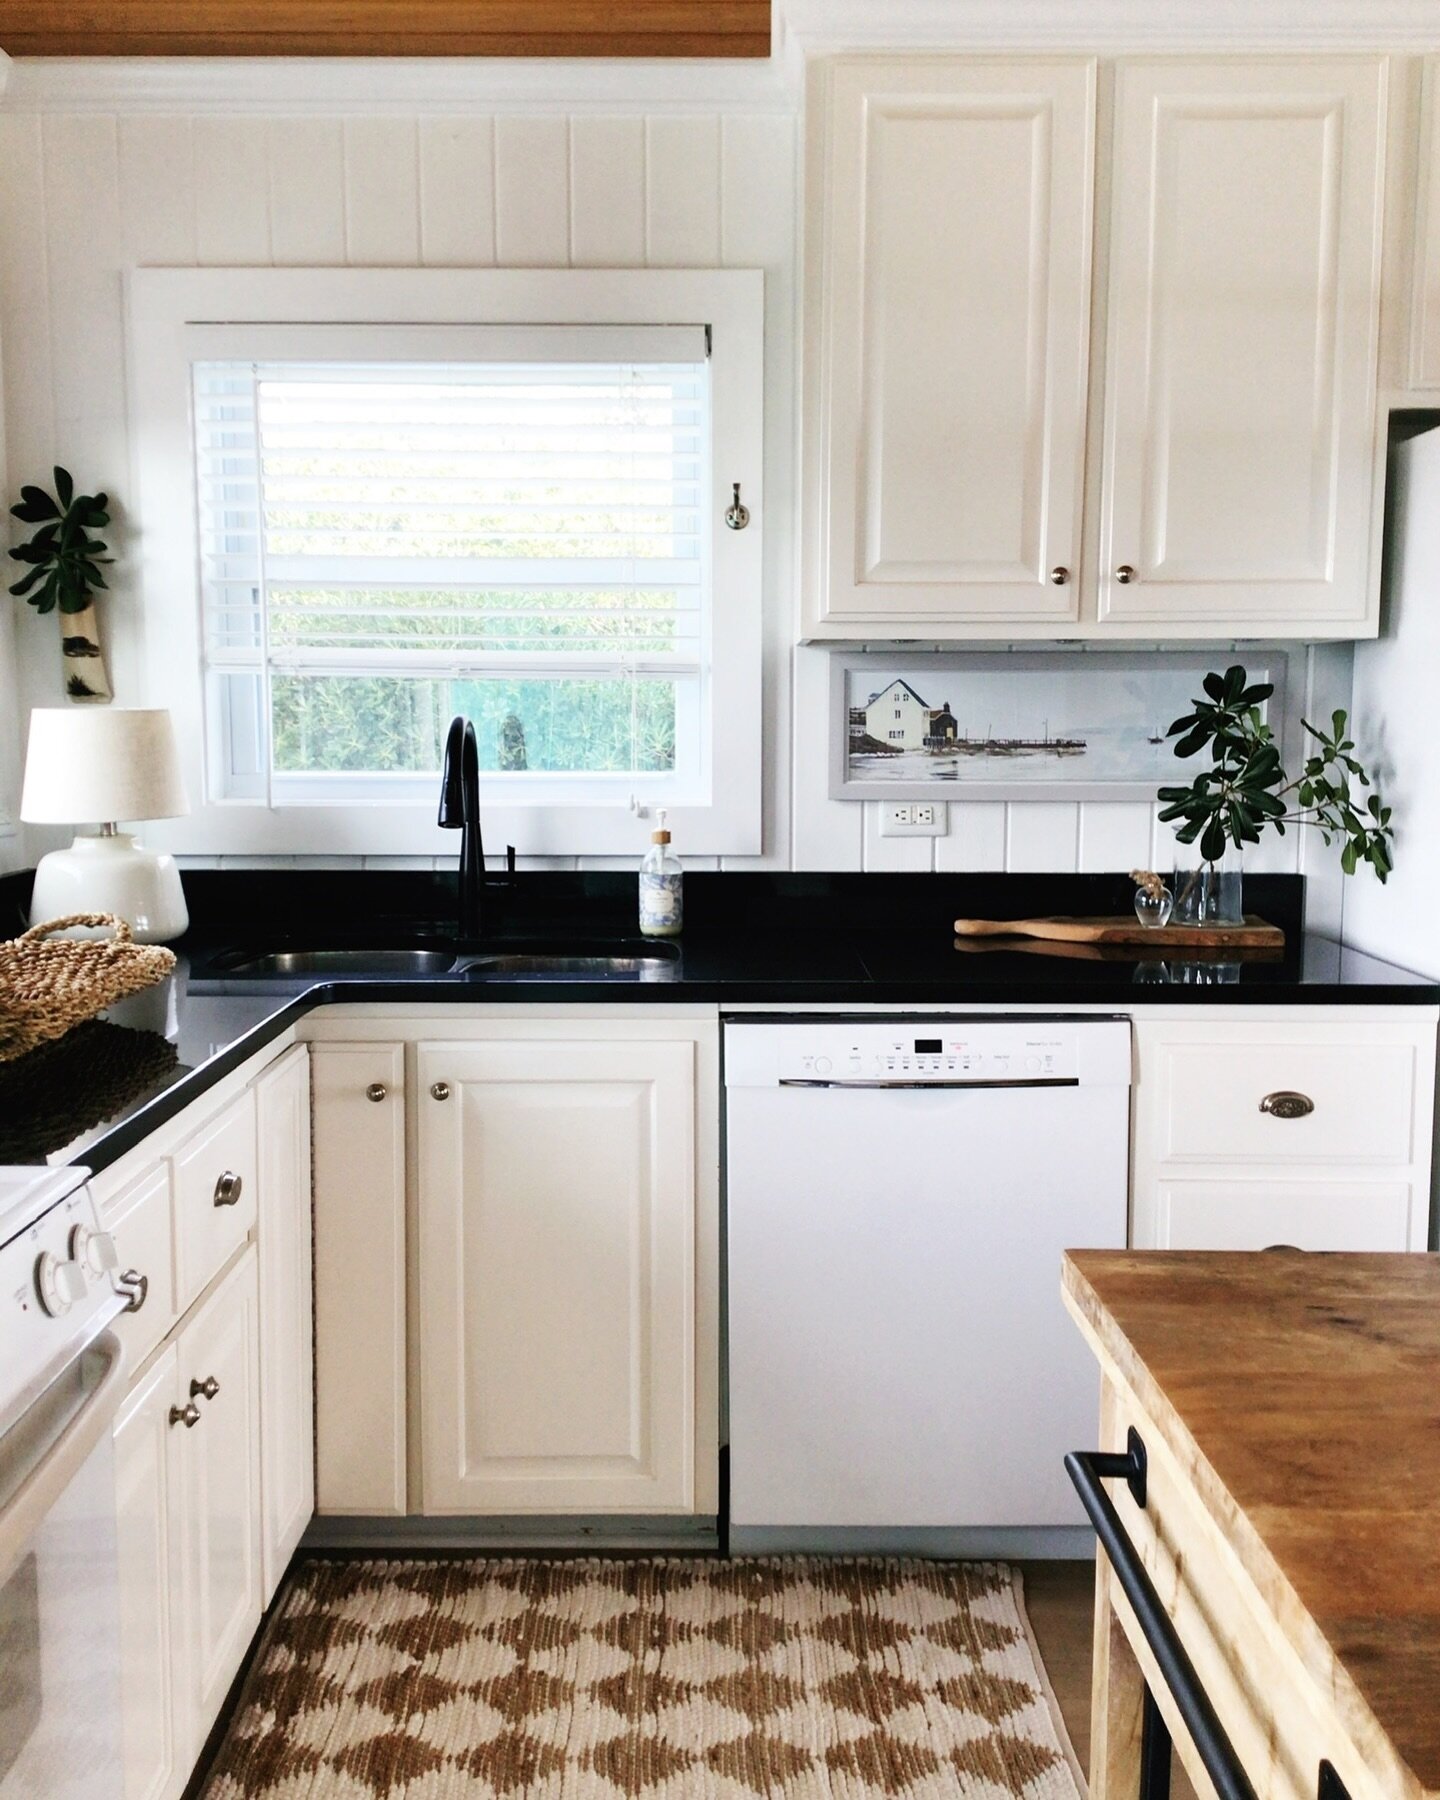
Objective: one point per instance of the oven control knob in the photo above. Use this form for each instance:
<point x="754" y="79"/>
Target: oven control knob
<point x="94" y="1250"/>
<point x="59" y="1284"/>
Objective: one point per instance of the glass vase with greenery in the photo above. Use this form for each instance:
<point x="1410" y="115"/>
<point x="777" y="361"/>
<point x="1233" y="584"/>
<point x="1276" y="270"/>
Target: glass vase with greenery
<point x="1245" y="791"/>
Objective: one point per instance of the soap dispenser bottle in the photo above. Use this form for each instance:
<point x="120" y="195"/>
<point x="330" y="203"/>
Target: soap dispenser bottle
<point x="662" y="900"/>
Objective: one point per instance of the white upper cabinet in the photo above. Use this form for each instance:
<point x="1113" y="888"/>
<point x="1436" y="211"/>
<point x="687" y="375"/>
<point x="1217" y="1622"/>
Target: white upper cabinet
<point x="1222" y="482"/>
<point x="1425" y="295"/>
<point x="1242" y="344"/>
<point x="948" y="327"/>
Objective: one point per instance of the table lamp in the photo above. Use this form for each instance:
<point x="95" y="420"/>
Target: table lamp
<point x="95" y="766"/>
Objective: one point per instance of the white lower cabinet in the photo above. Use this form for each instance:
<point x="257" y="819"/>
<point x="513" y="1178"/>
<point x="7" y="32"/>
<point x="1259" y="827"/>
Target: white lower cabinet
<point x="556" y="1297"/>
<point x="1264" y="1129"/>
<point x="149" y="1581"/>
<point x="187" y="1451"/>
<point x="359" y="1145"/>
<point x="219" y="1491"/>
<point x="287" y="1374"/>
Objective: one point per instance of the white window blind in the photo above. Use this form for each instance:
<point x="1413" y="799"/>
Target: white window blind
<point x="523" y="540"/>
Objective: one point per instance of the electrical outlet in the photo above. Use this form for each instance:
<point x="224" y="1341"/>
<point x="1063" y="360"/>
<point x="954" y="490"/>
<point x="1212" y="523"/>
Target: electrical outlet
<point x="923" y="818"/>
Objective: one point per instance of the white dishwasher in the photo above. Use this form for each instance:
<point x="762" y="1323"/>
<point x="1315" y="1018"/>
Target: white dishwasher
<point x="898" y="1194"/>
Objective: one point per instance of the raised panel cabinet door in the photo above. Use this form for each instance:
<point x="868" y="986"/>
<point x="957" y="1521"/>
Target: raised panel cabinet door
<point x="951" y="310"/>
<point x="358" y="1097"/>
<point x="557" y="1284"/>
<point x="147" y="1584"/>
<point x="287" y="1373"/>
<point x="1244" y="296"/>
<point x="1425" y="289"/>
<point x="217" y="1463"/>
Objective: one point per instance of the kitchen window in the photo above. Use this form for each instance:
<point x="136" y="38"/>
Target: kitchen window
<point x="520" y="520"/>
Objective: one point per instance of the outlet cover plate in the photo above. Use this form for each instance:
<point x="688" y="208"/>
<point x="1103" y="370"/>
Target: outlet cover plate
<point x="914" y="818"/>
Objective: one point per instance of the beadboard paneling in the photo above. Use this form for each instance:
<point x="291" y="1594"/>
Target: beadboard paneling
<point x="532" y="192"/>
<point x="457" y="193"/>
<point x="307" y="191"/>
<point x="607" y="193"/>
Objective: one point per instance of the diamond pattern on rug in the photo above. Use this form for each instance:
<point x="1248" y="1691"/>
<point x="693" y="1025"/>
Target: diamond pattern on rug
<point x="647" y="1679"/>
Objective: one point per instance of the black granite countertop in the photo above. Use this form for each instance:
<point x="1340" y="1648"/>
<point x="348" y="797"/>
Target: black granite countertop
<point x="783" y="942"/>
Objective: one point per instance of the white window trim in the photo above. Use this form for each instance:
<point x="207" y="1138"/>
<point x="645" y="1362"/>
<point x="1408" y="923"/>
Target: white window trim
<point x="172" y="314"/>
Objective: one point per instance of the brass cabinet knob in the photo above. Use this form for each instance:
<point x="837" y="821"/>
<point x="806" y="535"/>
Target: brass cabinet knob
<point x="440" y="1090"/>
<point x="1060" y="575"/>
<point x="1125" y="574"/>
<point x="206" y="1389"/>
<point x="376" y="1091"/>
<point x="228" y="1189"/>
<point x="187" y="1415"/>
<point x="1285" y="1103"/>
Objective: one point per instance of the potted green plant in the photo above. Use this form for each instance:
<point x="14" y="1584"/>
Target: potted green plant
<point x="64" y="562"/>
<point x="1244" y="791"/>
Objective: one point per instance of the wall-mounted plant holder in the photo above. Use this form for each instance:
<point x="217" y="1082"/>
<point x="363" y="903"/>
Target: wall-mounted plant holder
<point x="64" y="575"/>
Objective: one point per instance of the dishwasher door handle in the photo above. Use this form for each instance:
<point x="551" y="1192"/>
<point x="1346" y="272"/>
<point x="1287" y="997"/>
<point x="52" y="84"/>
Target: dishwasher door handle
<point x="1038" y="1081"/>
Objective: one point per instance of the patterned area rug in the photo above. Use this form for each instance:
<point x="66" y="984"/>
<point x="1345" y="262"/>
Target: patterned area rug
<point x="596" y="1680"/>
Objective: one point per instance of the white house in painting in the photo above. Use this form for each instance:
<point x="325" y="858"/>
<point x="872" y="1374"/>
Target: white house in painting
<point x="897" y="715"/>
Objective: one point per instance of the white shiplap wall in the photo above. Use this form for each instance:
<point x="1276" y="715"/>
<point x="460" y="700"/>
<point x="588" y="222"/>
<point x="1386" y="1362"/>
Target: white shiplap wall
<point x="84" y="194"/>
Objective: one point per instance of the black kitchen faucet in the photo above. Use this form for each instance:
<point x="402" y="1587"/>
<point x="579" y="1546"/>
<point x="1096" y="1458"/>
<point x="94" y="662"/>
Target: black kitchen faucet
<point x="460" y="811"/>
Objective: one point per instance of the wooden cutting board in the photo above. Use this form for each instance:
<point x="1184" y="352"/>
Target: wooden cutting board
<point x="1254" y="934"/>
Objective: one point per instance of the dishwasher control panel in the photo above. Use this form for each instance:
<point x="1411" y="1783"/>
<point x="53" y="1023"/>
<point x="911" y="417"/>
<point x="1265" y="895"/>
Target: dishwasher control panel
<point x="919" y="1052"/>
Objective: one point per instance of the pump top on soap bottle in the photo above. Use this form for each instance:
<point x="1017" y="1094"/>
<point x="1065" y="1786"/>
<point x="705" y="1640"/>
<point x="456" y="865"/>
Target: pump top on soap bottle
<point x="662" y="899"/>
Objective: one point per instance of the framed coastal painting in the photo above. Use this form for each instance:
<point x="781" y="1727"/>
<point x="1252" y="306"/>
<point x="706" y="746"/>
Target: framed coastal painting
<point x="990" y="725"/>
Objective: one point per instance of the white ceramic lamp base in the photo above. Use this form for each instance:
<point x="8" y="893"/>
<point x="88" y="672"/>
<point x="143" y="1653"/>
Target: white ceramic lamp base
<point x="112" y="874"/>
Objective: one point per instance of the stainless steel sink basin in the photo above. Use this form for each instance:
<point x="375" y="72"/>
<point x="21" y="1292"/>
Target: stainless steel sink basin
<point x="574" y="962"/>
<point x="293" y="963"/>
<point x="620" y="959"/>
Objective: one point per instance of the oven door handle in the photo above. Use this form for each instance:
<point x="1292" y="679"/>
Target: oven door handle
<point x="52" y="1470"/>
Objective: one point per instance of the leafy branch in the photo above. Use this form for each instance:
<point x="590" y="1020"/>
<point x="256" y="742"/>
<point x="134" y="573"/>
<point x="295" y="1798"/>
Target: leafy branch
<point x="64" y="559"/>
<point x="1245" y="789"/>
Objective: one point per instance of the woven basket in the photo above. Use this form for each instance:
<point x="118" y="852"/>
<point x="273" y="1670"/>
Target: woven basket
<point x="49" y="984"/>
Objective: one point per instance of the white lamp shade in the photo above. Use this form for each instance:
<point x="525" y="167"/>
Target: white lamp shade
<point x="97" y="765"/>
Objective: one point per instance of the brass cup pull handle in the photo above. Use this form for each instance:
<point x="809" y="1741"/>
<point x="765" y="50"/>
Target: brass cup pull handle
<point x="440" y="1090"/>
<point x="1285" y="1103"/>
<point x="376" y="1091"/>
<point x="1125" y="574"/>
<point x="187" y="1415"/>
<point x="1060" y="575"/>
<point x="228" y="1189"/>
<point x="135" y="1287"/>
<point x="204" y="1390"/>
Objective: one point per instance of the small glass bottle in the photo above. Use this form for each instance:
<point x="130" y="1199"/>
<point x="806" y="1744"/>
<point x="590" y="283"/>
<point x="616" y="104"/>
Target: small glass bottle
<point x="662" y="897"/>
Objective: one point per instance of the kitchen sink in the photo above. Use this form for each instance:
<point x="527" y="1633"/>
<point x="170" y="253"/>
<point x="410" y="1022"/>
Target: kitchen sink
<point x="573" y="962"/>
<point x="349" y="961"/>
<point x="614" y="959"/>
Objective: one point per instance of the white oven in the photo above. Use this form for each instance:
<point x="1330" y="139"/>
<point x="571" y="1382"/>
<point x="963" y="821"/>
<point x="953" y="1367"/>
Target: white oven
<point x="61" y="1379"/>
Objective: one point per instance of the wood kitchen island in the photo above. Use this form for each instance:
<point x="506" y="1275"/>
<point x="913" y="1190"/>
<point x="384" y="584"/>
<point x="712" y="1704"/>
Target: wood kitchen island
<point x="1289" y="1408"/>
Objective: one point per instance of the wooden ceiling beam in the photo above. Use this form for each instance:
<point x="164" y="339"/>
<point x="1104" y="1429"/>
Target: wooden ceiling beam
<point x="585" y="28"/>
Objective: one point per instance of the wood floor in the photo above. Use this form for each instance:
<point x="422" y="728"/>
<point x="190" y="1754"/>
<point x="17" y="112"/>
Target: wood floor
<point x="1060" y="1598"/>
